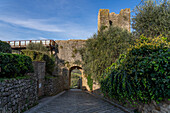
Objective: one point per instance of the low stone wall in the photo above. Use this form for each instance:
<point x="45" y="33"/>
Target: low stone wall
<point x="153" y="107"/>
<point x="17" y="95"/>
<point x="53" y="85"/>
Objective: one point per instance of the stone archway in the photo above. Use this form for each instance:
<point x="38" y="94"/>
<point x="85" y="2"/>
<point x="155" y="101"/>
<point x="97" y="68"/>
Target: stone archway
<point x="67" y="59"/>
<point x="71" y="69"/>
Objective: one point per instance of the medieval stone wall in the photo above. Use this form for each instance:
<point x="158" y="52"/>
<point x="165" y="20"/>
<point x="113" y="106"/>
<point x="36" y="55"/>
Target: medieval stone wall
<point x="68" y="56"/>
<point x="53" y="85"/>
<point x="17" y="95"/>
<point x="46" y="86"/>
<point x="111" y="19"/>
<point x="68" y="50"/>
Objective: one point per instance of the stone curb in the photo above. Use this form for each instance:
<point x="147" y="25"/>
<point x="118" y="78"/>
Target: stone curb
<point x="32" y="110"/>
<point x="116" y="105"/>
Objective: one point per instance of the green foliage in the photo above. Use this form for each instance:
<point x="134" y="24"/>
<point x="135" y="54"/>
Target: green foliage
<point x="152" y="19"/>
<point x="103" y="49"/>
<point x="5" y="47"/>
<point x="76" y="72"/>
<point x="142" y="74"/>
<point x="13" y="65"/>
<point x="90" y="82"/>
<point x="40" y="56"/>
<point x="74" y="82"/>
<point x="75" y="78"/>
<point x="38" y="47"/>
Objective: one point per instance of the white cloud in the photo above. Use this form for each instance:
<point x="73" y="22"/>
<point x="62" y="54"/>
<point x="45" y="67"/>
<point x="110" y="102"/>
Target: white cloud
<point x="56" y="29"/>
<point x="37" y="24"/>
<point x="43" y="38"/>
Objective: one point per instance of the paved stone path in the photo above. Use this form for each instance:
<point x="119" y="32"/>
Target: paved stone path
<point x="77" y="102"/>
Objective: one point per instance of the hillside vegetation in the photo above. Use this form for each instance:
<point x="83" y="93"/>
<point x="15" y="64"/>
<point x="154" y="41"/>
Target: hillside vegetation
<point x="103" y="49"/>
<point x="133" y="67"/>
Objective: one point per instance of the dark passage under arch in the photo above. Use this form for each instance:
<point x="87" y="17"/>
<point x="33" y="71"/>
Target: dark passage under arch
<point x="75" y="77"/>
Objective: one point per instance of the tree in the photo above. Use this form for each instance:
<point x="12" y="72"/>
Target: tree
<point x="38" y="47"/>
<point x="103" y="49"/>
<point x="152" y="19"/>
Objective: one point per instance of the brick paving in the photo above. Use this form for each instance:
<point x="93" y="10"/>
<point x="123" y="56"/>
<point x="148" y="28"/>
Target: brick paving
<point x="77" y="102"/>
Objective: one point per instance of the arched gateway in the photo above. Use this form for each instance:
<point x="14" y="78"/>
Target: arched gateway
<point x="67" y="59"/>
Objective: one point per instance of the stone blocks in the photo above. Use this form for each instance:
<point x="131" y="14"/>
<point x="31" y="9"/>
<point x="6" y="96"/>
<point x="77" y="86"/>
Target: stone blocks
<point x="111" y="19"/>
<point x="53" y="85"/>
<point x="17" y="95"/>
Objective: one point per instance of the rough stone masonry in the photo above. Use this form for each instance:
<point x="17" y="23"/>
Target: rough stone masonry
<point x="111" y="19"/>
<point x="17" y="95"/>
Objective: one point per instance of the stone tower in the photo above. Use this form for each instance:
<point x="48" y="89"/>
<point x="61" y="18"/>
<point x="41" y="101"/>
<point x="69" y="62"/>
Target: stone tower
<point x="109" y="19"/>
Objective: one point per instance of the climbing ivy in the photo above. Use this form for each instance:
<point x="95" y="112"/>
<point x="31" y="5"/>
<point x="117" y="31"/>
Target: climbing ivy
<point x="142" y="74"/>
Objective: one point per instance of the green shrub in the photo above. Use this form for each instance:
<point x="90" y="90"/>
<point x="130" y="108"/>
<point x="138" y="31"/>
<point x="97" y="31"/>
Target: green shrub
<point x="5" y="47"/>
<point x="103" y="49"/>
<point x="74" y="82"/>
<point x="13" y="65"/>
<point x="38" y="47"/>
<point x="140" y="75"/>
<point x="90" y="82"/>
<point x="40" y="56"/>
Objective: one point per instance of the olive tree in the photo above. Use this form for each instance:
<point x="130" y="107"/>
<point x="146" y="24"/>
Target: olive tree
<point x="152" y="18"/>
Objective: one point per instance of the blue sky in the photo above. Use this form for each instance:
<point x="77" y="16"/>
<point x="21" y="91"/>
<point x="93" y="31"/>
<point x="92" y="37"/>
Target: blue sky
<point x="54" y="19"/>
